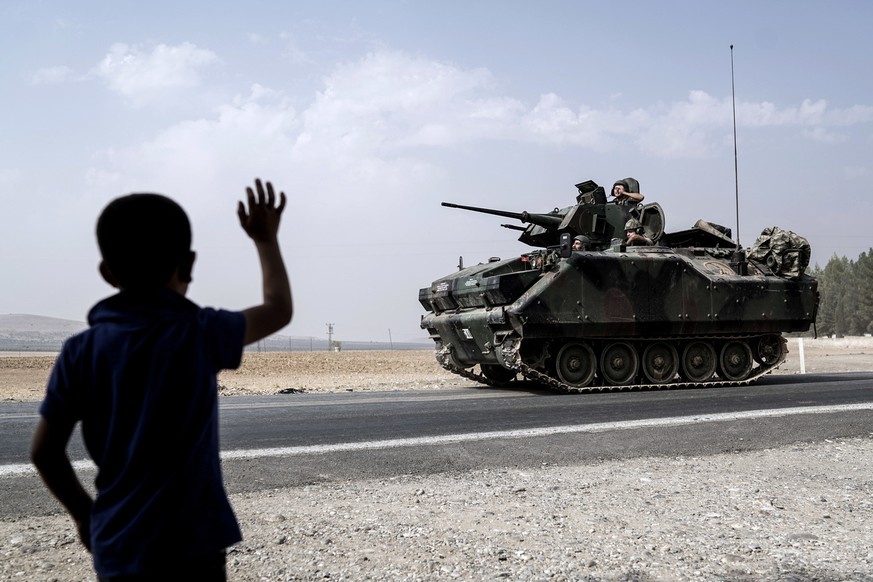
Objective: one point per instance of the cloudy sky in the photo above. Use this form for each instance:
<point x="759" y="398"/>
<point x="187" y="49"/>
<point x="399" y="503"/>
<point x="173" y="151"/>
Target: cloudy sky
<point x="369" y="114"/>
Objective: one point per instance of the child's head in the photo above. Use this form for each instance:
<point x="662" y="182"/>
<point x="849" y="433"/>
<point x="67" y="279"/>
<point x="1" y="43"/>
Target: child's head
<point x="143" y="239"/>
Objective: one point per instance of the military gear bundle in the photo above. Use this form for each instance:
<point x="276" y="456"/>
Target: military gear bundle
<point x="785" y="253"/>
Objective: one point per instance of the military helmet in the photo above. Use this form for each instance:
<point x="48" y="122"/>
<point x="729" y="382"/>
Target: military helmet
<point x="632" y="224"/>
<point x="630" y="185"/>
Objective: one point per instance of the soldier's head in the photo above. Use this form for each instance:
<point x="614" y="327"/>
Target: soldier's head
<point x="631" y="185"/>
<point x="143" y="240"/>
<point x="620" y="187"/>
<point x="580" y="242"/>
<point x="632" y="225"/>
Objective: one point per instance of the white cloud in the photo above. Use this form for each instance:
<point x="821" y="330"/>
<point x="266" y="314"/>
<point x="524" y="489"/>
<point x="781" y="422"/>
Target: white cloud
<point x="683" y="129"/>
<point x="766" y="114"/>
<point x="253" y="131"/>
<point x="821" y="134"/>
<point x="293" y="52"/>
<point x="52" y="75"/>
<point x="854" y="115"/>
<point x="142" y="76"/>
<point x="390" y="100"/>
<point x="553" y="121"/>
<point x="374" y="114"/>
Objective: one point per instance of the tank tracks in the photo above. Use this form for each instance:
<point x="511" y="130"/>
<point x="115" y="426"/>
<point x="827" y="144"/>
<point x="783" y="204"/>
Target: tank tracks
<point x="512" y="358"/>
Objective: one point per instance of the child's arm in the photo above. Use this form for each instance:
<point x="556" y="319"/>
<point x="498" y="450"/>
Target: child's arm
<point x="48" y="452"/>
<point x="261" y="223"/>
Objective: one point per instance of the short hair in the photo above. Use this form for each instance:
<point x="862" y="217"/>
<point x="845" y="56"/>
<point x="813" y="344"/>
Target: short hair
<point x="143" y="238"/>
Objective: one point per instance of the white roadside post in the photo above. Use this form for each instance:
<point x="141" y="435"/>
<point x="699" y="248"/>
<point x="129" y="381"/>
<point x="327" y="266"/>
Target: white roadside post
<point x="800" y="353"/>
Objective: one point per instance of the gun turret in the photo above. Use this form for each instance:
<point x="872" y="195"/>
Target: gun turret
<point x="591" y="216"/>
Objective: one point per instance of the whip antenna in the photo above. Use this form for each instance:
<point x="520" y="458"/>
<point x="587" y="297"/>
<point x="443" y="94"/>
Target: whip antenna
<point x="736" y="173"/>
<point x="738" y="262"/>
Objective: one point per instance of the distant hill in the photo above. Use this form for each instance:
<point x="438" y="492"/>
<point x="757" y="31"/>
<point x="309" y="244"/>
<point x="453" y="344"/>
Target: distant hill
<point x="36" y="333"/>
<point x="19" y="332"/>
<point x="16" y="323"/>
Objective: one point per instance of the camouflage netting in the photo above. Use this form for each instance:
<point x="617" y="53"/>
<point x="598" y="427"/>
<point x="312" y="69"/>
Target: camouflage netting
<point x="785" y="253"/>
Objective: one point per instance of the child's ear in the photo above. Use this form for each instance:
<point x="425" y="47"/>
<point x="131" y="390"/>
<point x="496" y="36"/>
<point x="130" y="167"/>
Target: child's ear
<point x="187" y="267"/>
<point x="107" y="275"/>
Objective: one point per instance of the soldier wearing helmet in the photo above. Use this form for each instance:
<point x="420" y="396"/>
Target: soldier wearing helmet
<point x="581" y="242"/>
<point x="627" y="192"/>
<point x="634" y="235"/>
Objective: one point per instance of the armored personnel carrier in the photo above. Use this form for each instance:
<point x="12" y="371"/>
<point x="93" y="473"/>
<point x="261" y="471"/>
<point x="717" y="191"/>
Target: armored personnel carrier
<point x="692" y="309"/>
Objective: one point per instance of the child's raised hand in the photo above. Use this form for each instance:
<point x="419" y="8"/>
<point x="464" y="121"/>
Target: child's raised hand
<point x="261" y="222"/>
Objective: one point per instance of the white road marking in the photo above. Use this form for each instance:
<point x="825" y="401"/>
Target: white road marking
<point x="27" y="468"/>
<point x="20" y="469"/>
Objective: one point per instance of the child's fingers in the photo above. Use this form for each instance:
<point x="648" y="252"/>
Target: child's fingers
<point x="260" y="188"/>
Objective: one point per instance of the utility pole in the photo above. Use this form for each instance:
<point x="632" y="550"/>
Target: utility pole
<point x="329" y="336"/>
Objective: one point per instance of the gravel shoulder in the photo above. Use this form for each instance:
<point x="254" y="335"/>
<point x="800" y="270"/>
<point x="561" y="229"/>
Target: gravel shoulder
<point x="800" y="512"/>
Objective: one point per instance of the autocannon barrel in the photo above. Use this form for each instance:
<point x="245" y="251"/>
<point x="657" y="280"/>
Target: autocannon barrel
<point x="550" y="221"/>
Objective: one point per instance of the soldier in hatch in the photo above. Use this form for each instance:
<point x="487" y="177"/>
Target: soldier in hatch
<point x="581" y="243"/>
<point x="634" y="234"/>
<point x="627" y="192"/>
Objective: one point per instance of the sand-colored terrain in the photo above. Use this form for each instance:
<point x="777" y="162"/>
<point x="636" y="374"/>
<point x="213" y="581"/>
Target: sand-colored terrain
<point x="23" y="376"/>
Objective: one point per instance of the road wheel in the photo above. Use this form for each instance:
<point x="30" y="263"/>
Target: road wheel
<point x="576" y="364"/>
<point x="735" y="361"/>
<point x="698" y="361"/>
<point x="619" y="363"/>
<point x="768" y="349"/>
<point x="660" y="363"/>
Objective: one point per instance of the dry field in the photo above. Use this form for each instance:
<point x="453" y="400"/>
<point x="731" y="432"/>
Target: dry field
<point x="23" y="376"/>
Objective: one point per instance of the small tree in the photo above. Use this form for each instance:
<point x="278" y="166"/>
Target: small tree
<point x="864" y="283"/>
<point x="833" y="284"/>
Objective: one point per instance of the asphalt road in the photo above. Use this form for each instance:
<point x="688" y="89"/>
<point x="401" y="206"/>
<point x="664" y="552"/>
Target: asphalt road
<point x="296" y="439"/>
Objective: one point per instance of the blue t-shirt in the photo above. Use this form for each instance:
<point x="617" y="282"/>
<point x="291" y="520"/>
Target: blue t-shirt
<point x="142" y="380"/>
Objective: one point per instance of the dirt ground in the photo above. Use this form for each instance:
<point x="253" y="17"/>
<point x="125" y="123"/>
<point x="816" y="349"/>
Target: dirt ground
<point x="23" y="376"/>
